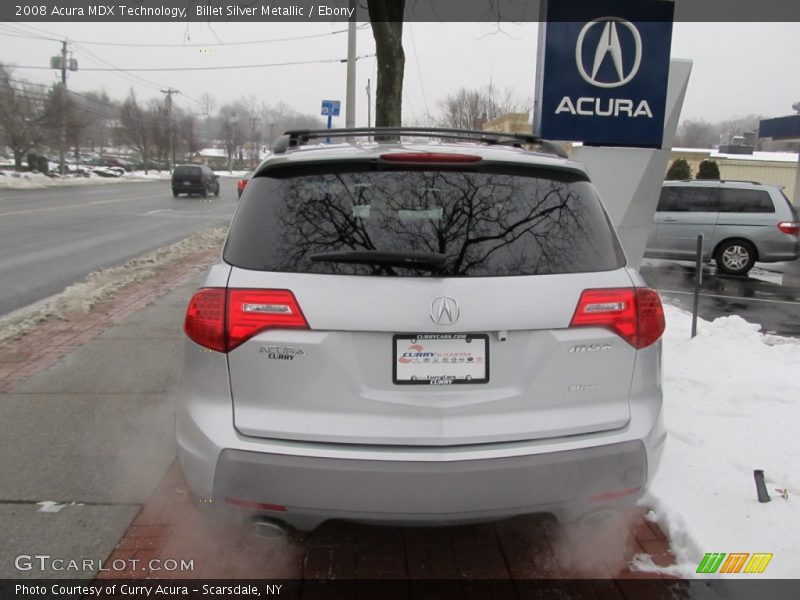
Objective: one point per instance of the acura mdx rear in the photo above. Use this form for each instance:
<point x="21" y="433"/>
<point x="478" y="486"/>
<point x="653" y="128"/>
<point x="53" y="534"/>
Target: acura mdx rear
<point x="421" y="333"/>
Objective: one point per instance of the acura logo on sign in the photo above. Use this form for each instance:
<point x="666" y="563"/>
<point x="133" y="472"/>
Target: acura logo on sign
<point x="609" y="44"/>
<point x="444" y="310"/>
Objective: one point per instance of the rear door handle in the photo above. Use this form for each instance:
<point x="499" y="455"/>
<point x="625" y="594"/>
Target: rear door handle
<point x="669" y="220"/>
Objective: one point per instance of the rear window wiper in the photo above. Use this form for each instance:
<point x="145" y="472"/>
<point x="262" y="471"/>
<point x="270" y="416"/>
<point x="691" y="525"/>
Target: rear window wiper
<point x="428" y="260"/>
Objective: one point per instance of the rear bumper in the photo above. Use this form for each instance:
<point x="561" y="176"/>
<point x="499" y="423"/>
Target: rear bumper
<point x="314" y="489"/>
<point x="316" y="481"/>
<point x="194" y="188"/>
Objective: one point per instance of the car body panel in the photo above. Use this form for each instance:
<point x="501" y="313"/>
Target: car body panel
<point x="569" y="421"/>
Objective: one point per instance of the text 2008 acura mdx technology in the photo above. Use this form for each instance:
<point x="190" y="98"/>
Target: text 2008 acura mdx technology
<point x="419" y="333"/>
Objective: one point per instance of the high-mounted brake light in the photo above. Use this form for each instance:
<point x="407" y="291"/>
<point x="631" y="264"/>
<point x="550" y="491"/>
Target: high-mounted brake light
<point x="790" y="227"/>
<point x="222" y="320"/>
<point x="635" y="314"/>
<point x="429" y="157"/>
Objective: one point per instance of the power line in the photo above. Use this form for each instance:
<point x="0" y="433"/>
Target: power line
<point x="200" y="45"/>
<point x="226" y="67"/>
<point x="419" y="70"/>
<point x="16" y="33"/>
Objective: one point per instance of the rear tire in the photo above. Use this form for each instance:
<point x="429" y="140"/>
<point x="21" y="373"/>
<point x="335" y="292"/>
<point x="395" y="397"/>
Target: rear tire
<point x="205" y="191"/>
<point x="174" y="193"/>
<point x="735" y="257"/>
<point x="216" y="191"/>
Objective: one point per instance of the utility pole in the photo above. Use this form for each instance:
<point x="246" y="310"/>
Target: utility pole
<point x="169" y="91"/>
<point x="255" y="155"/>
<point x="63" y="142"/>
<point x="350" y="99"/>
<point x="61" y="62"/>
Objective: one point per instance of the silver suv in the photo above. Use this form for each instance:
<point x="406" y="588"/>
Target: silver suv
<point x="432" y="332"/>
<point x="741" y="221"/>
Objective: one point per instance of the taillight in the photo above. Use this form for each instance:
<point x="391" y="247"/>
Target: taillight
<point x="205" y="318"/>
<point x="635" y="314"/>
<point x="242" y="184"/>
<point x="790" y="227"/>
<point x="429" y="157"/>
<point x="246" y="313"/>
<point x="253" y="311"/>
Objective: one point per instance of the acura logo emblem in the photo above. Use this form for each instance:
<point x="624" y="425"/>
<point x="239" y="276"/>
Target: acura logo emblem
<point x="444" y="310"/>
<point x="609" y="44"/>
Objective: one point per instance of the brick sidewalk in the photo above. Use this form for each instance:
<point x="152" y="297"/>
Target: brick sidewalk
<point x="52" y="339"/>
<point x="172" y="526"/>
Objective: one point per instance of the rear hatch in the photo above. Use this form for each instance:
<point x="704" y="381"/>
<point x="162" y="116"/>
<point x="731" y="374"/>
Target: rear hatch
<point x="187" y="176"/>
<point x="429" y="305"/>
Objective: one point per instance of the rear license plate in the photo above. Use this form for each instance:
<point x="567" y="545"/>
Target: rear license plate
<point x="440" y="358"/>
<point x="187" y="183"/>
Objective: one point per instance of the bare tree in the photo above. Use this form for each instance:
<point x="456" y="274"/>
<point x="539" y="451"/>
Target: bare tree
<point x="386" y="17"/>
<point x="20" y="116"/>
<point x="135" y="128"/>
<point x="232" y="119"/>
<point x="188" y="134"/>
<point x="101" y="112"/>
<point x="158" y="122"/>
<point x="472" y="108"/>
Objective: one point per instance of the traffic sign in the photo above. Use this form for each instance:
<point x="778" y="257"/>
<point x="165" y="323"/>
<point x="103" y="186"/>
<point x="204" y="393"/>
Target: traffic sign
<point x="330" y="108"/>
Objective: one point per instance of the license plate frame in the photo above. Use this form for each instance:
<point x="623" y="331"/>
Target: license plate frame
<point x="436" y="370"/>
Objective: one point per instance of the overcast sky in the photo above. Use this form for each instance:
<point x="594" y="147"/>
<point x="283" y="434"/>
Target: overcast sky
<point x="739" y="68"/>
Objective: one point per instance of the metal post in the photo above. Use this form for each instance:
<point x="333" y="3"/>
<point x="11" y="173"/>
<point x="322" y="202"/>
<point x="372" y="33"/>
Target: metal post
<point x="698" y="281"/>
<point x="761" y="486"/>
<point x="350" y="100"/>
<point x="330" y="126"/>
<point x="369" y="107"/>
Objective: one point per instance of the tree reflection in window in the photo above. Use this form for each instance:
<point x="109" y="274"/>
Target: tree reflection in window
<point x="487" y="224"/>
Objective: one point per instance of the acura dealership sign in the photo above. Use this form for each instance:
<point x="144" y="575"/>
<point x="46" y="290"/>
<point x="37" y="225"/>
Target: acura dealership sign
<point x="602" y="71"/>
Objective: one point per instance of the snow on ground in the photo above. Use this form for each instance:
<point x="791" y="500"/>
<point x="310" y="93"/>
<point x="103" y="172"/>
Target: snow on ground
<point x="33" y="180"/>
<point x="28" y="180"/>
<point x="80" y="297"/>
<point x="731" y="405"/>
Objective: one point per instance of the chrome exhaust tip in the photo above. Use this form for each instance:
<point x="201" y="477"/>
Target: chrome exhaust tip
<point x="602" y="518"/>
<point x="268" y="527"/>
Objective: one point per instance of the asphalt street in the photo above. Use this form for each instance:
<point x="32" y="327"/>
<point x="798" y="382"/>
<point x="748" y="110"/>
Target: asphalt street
<point x="53" y="237"/>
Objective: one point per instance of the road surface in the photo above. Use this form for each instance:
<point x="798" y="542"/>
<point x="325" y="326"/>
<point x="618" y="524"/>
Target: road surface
<point x="54" y="237"/>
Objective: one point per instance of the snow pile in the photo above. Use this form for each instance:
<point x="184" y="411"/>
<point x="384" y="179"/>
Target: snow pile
<point x="31" y="180"/>
<point x="731" y="405"/>
<point x="79" y="298"/>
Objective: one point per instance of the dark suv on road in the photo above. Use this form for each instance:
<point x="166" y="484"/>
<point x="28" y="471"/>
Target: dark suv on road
<point x="194" y="179"/>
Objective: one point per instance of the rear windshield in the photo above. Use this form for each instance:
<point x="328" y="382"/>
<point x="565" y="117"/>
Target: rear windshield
<point x="184" y="171"/>
<point x="477" y="224"/>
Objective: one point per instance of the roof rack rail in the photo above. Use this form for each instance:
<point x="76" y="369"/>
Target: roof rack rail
<point x="296" y="137"/>
<point x="717" y="181"/>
